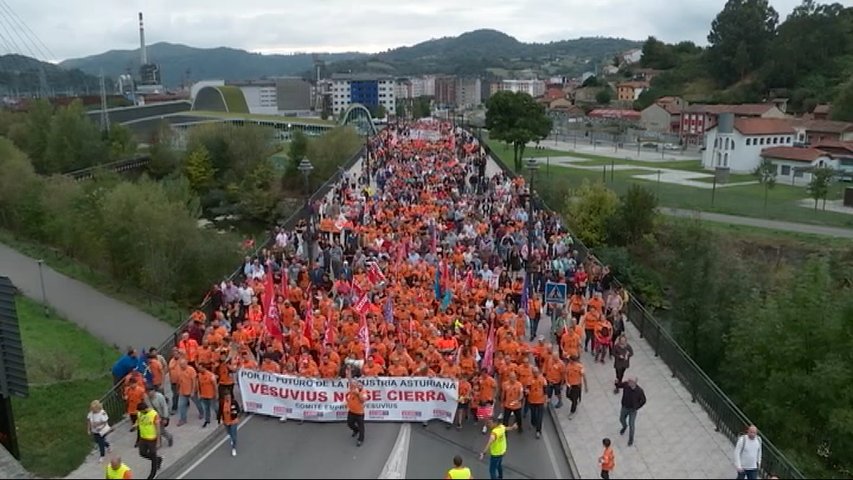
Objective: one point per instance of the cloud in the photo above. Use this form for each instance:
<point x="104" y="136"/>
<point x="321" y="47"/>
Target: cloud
<point x="73" y="28"/>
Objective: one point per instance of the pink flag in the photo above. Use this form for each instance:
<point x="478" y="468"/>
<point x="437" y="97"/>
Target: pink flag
<point x="309" y="324"/>
<point x="271" y="316"/>
<point x="469" y="280"/>
<point x="364" y="335"/>
<point x="284" y="281"/>
<point x="490" y="350"/>
<point x="361" y="305"/>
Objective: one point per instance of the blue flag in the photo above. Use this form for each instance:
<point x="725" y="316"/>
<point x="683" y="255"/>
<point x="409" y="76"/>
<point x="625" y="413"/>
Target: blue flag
<point x="388" y="310"/>
<point x="437" y="284"/>
<point x="445" y="302"/>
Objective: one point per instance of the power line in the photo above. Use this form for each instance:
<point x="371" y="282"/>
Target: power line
<point x="36" y="41"/>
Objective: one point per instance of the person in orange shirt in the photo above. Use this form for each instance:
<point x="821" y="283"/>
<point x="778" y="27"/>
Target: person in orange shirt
<point x="174" y="376"/>
<point x="590" y="324"/>
<point x="570" y="343"/>
<point x="156" y="367"/>
<point x="512" y="396"/>
<point x="189" y="347"/>
<point x="536" y="400"/>
<point x="206" y="391"/>
<point x="554" y="373"/>
<point x="188" y="390"/>
<point x="463" y="402"/>
<point x="134" y="393"/>
<point x="574" y="378"/>
<point x="355" y="398"/>
<point x="607" y="459"/>
<point x="397" y="369"/>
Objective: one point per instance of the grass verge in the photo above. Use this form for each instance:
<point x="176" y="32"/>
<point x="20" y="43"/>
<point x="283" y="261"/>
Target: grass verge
<point x="166" y="310"/>
<point x="51" y="422"/>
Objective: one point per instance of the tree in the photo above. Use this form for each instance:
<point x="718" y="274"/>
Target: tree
<point x="260" y="193"/>
<point x="591" y="81"/>
<point x="421" y="107"/>
<point x="378" y="111"/>
<point x="590" y="209"/>
<point x="635" y="216"/>
<point x="842" y="107"/>
<point x="73" y="142"/>
<point x="36" y="132"/>
<point x="516" y="118"/>
<point x="657" y="54"/>
<point x="297" y="150"/>
<point x="120" y="142"/>
<point x="330" y="151"/>
<point x="766" y="174"/>
<point x="603" y="96"/>
<point x="199" y="169"/>
<point x="819" y="184"/>
<point x="749" y="25"/>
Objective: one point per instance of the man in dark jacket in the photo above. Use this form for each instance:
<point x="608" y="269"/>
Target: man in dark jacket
<point x="633" y="399"/>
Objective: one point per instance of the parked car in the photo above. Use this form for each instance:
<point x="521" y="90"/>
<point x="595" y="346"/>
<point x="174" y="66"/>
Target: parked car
<point x="671" y="146"/>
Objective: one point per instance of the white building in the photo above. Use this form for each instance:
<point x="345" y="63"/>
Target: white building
<point x="794" y="164"/>
<point x="468" y="92"/>
<point x="534" y="88"/>
<point x="736" y="143"/>
<point x="632" y="56"/>
<point x="260" y="95"/>
<point x="368" y="90"/>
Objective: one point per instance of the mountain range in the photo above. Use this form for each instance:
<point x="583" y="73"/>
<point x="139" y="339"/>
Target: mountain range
<point x="22" y="75"/>
<point x="480" y="52"/>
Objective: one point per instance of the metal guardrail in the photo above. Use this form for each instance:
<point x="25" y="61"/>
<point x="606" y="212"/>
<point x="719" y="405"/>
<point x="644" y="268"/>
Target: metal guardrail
<point x="727" y="417"/>
<point x="117" y="167"/>
<point x="112" y="401"/>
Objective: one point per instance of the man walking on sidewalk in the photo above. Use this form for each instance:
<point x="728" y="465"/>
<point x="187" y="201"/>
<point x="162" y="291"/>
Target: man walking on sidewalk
<point x="633" y="399"/>
<point x="355" y="406"/>
<point x="536" y="400"/>
<point x="161" y="406"/>
<point x="149" y="437"/>
<point x="574" y="378"/>
<point x="748" y="454"/>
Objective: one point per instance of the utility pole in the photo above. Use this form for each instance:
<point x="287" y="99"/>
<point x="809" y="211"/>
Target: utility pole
<point x="105" y="118"/>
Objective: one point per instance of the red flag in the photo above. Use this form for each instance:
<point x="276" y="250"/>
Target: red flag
<point x="362" y="305"/>
<point x="364" y="335"/>
<point x="271" y="317"/>
<point x="469" y="280"/>
<point x="374" y="274"/>
<point x="329" y="336"/>
<point x="490" y="350"/>
<point x="308" y="332"/>
<point x="284" y="281"/>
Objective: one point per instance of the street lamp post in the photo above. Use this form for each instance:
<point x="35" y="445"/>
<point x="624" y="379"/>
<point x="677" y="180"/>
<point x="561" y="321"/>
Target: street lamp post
<point x="306" y="168"/>
<point x="367" y="156"/>
<point x="43" y="291"/>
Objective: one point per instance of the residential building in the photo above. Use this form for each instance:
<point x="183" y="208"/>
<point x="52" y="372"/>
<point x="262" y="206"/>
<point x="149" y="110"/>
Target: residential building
<point x="534" y="87"/>
<point x="609" y="70"/>
<point x="566" y="107"/>
<point x="794" y="164"/>
<point x="585" y="94"/>
<point x="368" y="90"/>
<point x="403" y="88"/>
<point x="631" y="56"/>
<point x="445" y="90"/>
<point x="468" y="92"/>
<point x="817" y="131"/>
<point x="697" y="119"/>
<point x="736" y="142"/>
<point x="663" y="118"/>
<point x="630" y="91"/>
<point x="821" y="112"/>
<point x="554" y="91"/>
<point x="646" y="74"/>
<point x="423" y="86"/>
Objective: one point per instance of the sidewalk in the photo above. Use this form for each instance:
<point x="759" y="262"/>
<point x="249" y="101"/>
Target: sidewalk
<point x="674" y="437"/>
<point x="760" y="222"/>
<point x="607" y="149"/>
<point x="110" y="320"/>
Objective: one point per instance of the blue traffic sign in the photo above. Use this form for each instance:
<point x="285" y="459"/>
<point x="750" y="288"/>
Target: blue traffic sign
<point x="555" y="292"/>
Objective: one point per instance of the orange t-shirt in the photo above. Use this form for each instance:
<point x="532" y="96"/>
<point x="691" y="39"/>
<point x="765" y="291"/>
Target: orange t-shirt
<point x="487" y="389"/>
<point x="608" y="460"/>
<point x="554" y="370"/>
<point x="536" y="393"/>
<point x="134" y="395"/>
<point x="156" y="372"/>
<point x="354" y="402"/>
<point x="206" y="385"/>
<point x="574" y="373"/>
<point x="398" y="370"/>
<point x="512" y="394"/>
<point x="186" y="380"/>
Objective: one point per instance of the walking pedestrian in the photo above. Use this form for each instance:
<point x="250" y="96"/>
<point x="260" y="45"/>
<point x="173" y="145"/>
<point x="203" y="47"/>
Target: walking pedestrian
<point x="230" y="418"/>
<point x="622" y="353"/>
<point x="356" y="396"/>
<point x="574" y="378"/>
<point x="158" y="402"/>
<point x="496" y="446"/>
<point x="188" y="389"/>
<point x="98" y="425"/>
<point x="607" y="460"/>
<point x="206" y="391"/>
<point x="536" y="400"/>
<point x="148" y="424"/>
<point x="748" y="454"/>
<point x="554" y="373"/>
<point x="116" y="469"/>
<point x="512" y="394"/>
<point x="458" y="472"/>
<point x="633" y="399"/>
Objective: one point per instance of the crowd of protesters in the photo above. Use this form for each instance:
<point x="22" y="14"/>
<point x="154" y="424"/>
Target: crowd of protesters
<point x="421" y="266"/>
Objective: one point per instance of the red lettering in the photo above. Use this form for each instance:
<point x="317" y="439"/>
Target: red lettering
<point x="254" y="387"/>
<point x="420" y="397"/>
<point x="440" y="397"/>
<point x="374" y="395"/>
<point x="340" y="397"/>
<point x="265" y="390"/>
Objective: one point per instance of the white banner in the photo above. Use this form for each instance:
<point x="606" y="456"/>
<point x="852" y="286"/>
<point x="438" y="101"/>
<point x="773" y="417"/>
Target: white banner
<point x="391" y="399"/>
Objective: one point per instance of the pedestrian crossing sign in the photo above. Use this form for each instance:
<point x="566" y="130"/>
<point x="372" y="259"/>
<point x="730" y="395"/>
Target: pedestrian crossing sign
<point x="555" y="292"/>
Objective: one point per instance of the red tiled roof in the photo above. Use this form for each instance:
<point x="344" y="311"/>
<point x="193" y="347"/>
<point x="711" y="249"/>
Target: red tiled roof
<point x="829" y="145"/>
<point x="822" y="108"/>
<point x="614" y="113"/>
<point x="634" y="84"/>
<point x="829" y="126"/>
<point x="763" y="126"/>
<point x="796" y="154"/>
<point x="746" y="109"/>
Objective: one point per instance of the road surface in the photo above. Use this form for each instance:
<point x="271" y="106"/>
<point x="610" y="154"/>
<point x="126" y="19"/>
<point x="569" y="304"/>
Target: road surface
<point x="269" y="449"/>
<point x="760" y="222"/>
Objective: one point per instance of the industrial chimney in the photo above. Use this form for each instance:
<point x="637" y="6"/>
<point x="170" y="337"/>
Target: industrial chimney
<point x="142" y="51"/>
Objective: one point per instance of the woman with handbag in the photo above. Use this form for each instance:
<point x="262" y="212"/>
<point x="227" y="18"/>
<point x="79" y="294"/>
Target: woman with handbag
<point x="97" y="422"/>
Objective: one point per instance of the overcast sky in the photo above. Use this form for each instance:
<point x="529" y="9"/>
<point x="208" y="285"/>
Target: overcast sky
<point x="75" y="28"/>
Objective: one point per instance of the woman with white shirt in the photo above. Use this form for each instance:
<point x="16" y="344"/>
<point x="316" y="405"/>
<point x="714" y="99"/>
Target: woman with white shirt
<point x="98" y="425"/>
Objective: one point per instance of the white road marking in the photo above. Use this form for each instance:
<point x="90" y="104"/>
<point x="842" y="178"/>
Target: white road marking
<point x="398" y="460"/>
<point x="551" y="455"/>
<point x="213" y="449"/>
